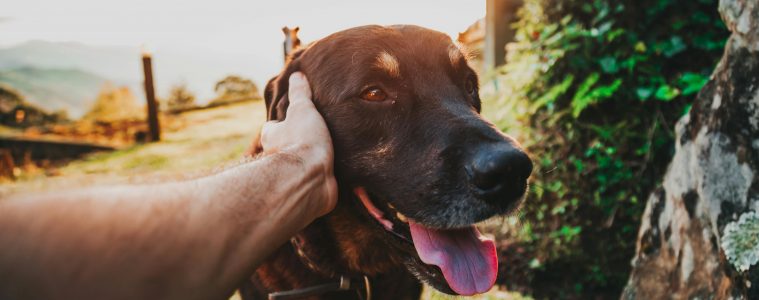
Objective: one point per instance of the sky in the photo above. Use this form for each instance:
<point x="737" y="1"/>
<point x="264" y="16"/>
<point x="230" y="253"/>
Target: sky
<point x="218" y="28"/>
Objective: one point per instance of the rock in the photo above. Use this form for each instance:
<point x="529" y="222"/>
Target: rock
<point x="712" y="180"/>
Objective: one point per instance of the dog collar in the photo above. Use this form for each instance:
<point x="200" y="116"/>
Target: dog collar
<point x="344" y="283"/>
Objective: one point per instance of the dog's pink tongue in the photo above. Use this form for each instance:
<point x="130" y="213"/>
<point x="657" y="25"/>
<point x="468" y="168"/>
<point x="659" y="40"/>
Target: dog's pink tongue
<point x="468" y="260"/>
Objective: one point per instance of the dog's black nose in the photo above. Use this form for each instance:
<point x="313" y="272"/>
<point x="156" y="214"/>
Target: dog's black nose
<point x="499" y="172"/>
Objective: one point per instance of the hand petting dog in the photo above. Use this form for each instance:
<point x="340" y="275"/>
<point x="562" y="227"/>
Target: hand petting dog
<point x="304" y="134"/>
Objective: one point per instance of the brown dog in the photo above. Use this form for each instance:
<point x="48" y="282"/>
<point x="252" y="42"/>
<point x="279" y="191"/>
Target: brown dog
<point x="416" y="166"/>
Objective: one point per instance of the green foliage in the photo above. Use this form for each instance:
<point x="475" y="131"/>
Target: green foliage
<point x="740" y="241"/>
<point x="595" y="88"/>
<point x="586" y="94"/>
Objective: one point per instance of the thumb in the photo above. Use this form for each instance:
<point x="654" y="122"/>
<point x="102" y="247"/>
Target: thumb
<point x="270" y="130"/>
<point x="299" y="90"/>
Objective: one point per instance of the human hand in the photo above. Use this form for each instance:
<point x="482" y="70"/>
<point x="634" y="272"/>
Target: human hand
<point x="304" y="134"/>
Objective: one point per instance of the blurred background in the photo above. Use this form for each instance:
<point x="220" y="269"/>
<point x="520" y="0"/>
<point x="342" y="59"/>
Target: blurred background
<point x="593" y="88"/>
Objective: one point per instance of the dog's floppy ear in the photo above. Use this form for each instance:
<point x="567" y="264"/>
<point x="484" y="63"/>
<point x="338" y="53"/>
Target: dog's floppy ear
<point x="275" y="93"/>
<point x="275" y="97"/>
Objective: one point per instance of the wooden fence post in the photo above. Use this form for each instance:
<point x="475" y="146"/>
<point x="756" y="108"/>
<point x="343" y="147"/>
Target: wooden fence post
<point x="153" y="124"/>
<point x="498" y="19"/>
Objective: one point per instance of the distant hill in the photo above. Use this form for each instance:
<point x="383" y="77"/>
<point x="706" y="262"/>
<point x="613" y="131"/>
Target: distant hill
<point x="54" y="89"/>
<point x="198" y="69"/>
<point x="119" y="64"/>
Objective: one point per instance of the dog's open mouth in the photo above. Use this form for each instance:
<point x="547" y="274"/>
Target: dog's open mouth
<point x="467" y="259"/>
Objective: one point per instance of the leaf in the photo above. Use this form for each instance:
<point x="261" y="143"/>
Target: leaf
<point x="666" y="93"/>
<point x="629" y="63"/>
<point x="585" y="86"/>
<point x="674" y="46"/>
<point x="565" y="20"/>
<point x="549" y="30"/>
<point x="605" y="91"/>
<point x="555" y="92"/>
<point x="586" y="96"/>
<point x="609" y="65"/>
<point x="644" y="93"/>
<point x="640" y="47"/>
<point x="605" y="27"/>
<point x="691" y="83"/>
<point x="614" y="34"/>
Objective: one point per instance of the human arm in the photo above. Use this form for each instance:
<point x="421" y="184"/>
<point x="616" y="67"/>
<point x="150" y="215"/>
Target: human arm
<point x="192" y="239"/>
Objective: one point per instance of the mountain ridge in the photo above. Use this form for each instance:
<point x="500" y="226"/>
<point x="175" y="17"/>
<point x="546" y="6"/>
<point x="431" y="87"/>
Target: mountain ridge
<point x="67" y="89"/>
<point x="197" y="69"/>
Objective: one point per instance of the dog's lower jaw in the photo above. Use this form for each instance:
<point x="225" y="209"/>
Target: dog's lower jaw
<point x="424" y="273"/>
<point x="347" y="244"/>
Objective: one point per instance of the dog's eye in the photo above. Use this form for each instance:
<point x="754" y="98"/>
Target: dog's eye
<point x="471" y="85"/>
<point x="374" y="94"/>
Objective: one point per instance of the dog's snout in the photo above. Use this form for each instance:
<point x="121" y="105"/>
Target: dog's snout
<point x="499" y="173"/>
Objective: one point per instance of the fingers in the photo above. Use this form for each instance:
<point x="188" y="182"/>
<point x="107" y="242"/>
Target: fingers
<point x="303" y="125"/>
<point x="299" y="93"/>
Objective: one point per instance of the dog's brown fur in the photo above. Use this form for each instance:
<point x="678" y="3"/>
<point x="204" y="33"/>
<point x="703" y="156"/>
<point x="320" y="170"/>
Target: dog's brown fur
<point x="408" y="153"/>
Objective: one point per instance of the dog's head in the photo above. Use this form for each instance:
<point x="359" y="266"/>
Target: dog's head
<point x="413" y="155"/>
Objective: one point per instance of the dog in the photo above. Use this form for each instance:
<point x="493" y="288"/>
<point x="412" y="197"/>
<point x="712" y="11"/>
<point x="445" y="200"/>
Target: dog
<point x="416" y="166"/>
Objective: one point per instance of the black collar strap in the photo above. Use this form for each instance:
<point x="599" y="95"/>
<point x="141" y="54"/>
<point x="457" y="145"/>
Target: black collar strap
<point x="360" y="284"/>
<point x="345" y="284"/>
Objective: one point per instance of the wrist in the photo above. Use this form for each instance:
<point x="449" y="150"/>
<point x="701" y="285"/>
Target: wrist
<point x="313" y="158"/>
<point x="316" y="170"/>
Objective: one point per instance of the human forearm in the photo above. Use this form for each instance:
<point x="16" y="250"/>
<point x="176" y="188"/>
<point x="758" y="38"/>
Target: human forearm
<point x="195" y="239"/>
<point x="91" y="242"/>
<point x="191" y="239"/>
<point x="290" y="186"/>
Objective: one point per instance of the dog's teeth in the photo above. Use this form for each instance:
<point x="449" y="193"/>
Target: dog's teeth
<point x="401" y="217"/>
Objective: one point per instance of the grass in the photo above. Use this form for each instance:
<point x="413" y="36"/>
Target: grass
<point x="196" y="140"/>
<point x="193" y="144"/>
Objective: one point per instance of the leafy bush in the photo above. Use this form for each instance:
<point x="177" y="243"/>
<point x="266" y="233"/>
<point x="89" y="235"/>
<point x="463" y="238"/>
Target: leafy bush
<point x="180" y="98"/>
<point x="235" y="88"/>
<point x="594" y="89"/>
<point x="114" y="104"/>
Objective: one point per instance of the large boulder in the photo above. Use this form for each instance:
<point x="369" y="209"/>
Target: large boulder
<point x="712" y="181"/>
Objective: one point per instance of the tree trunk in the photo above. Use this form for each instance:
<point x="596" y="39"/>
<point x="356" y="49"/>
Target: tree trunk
<point x="712" y="180"/>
